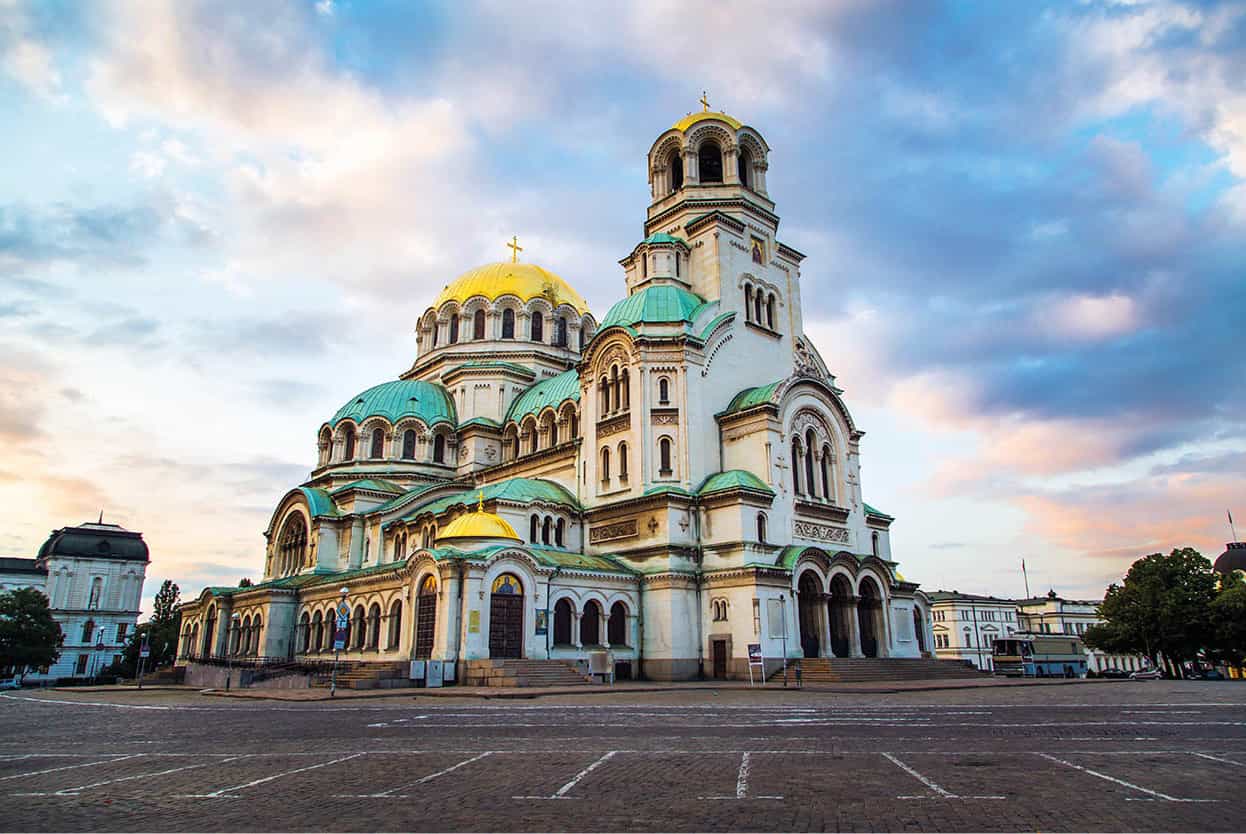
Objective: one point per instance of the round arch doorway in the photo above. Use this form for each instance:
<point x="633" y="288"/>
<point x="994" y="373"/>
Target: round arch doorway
<point x="809" y="597"/>
<point x="506" y="617"/>
<point x="425" y="618"/>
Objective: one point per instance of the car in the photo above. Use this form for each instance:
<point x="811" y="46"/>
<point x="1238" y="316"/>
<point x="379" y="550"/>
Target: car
<point x="1205" y="675"/>
<point x="1146" y="675"/>
<point x="10" y="683"/>
<point x="1114" y="672"/>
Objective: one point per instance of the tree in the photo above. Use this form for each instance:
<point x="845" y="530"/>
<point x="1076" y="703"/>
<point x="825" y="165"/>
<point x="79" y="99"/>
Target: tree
<point x="29" y="637"/>
<point x="1162" y="609"/>
<point x="163" y="610"/>
<point x="245" y="582"/>
<point x="1228" y="623"/>
<point x="161" y="631"/>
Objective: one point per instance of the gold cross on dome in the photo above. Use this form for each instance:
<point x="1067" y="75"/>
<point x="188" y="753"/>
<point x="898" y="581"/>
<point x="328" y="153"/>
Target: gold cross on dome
<point x="705" y="102"/>
<point x="480" y="501"/>
<point x="515" y="248"/>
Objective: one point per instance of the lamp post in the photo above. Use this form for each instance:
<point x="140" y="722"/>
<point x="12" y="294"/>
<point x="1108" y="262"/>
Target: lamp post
<point x="234" y="618"/>
<point x="783" y="624"/>
<point x="339" y="637"/>
<point x="99" y="647"/>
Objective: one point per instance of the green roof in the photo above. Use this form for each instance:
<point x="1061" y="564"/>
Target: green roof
<point x="750" y="397"/>
<point x="667" y="489"/>
<point x="374" y="484"/>
<point x="409" y="494"/>
<point x="319" y="502"/>
<point x="486" y="364"/>
<point x="547" y="392"/>
<point x="517" y="490"/>
<point x="543" y="555"/>
<point x="663" y="237"/>
<point x="662" y="304"/>
<point x="733" y="479"/>
<point x="714" y="322"/>
<point x="871" y="511"/>
<point x="400" y="398"/>
<point x="481" y="421"/>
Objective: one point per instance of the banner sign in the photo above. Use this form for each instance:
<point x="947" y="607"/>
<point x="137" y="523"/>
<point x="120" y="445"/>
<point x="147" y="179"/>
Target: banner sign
<point x="144" y="650"/>
<point x="339" y="639"/>
<point x="541" y="621"/>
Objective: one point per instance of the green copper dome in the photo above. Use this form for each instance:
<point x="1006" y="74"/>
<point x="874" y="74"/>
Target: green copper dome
<point x="662" y="304"/>
<point x="398" y="399"/>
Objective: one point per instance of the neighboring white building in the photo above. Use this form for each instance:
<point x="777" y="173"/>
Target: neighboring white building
<point x="672" y="483"/>
<point x="965" y="625"/>
<point x="93" y="577"/>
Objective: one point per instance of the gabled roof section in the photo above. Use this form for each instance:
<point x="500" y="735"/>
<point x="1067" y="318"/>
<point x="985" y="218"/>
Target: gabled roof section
<point x="733" y="479"/>
<point x="405" y="497"/>
<point x="661" y="304"/>
<point x="319" y="502"/>
<point x="663" y="237"/>
<point x="750" y="397"/>
<point x="871" y="511"/>
<point x="370" y="484"/>
<point x="548" y="392"/>
<point x="516" y="490"/>
<point x="543" y="555"/>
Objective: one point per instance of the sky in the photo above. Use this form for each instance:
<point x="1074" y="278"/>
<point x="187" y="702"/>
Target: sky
<point x="1025" y="227"/>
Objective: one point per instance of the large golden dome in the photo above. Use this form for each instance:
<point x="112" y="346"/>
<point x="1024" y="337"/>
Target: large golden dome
<point x="524" y="280"/>
<point x="478" y="525"/>
<point x="692" y="118"/>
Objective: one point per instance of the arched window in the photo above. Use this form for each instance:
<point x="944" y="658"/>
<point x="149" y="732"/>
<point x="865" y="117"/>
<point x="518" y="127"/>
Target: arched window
<point x="395" y="625"/>
<point x="547" y="527"/>
<point x="796" y="466"/>
<point x="625" y="382"/>
<point x="454" y="328"/>
<point x="604" y="388"/>
<point x="538" y="327"/>
<point x="562" y="622"/>
<point x="560" y="530"/>
<point x="676" y="165"/>
<point x="348" y="447"/>
<point x="358" y="629"/>
<point x="436" y="331"/>
<point x="560" y="331"/>
<point x="317" y="633"/>
<point x="257" y="631"/>
<point x="291" y="545"/>
<point x="826" y="473"/>
<point x="97" y="590"/>
<point x="508" y="324"/>
<point x="439" y="448"/>
<point x="644" y="266"/>
<point x="616" y="627"/>
<point x="664" y="391"/>
<point x="710" y="162"/>
<point x="759" y="300"/>
<point x="748" y="302"/>
<point x="88" y="631"/>
<point x="664" y="456"/>
<point x="534" y="528"/>
<point x="408" y="444"/>
<point x="478" y="325"/>
<point x="770" y="311"/>
<point x="575" y="425"/>
<point x="605" y="465"/>
<point x="378" y="443"/>
<point x="810" y="483"/>
<point x="874" y="542"/>
<point x="614" y="387"/>
<point x="553" y="431"/>
<point x="325" y="445"/>
<point x="374" y="626"/>
<point x="761" y="528"/>
<point x="623" y="461"/>
<point x="745" y="166"/>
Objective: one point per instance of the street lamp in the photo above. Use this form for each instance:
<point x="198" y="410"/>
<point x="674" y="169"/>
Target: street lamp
<point x="229" y="649"/>
<point x="339" y="637"/>
<point x="99" y="647"/>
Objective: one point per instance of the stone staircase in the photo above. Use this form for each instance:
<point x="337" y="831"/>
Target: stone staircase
<point x="381" y="675"/>
<point x="521" y="673"/>
<point x="822" y="670"/>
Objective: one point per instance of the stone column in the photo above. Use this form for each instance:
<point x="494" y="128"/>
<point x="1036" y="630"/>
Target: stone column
<point x="825" y="607"/>
<point x="854" y="627"/>
<point x="575" y="629"/>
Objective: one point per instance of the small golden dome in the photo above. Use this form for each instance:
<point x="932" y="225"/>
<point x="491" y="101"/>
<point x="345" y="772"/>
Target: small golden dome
<point x="524" y="280"/>
<point x="478" y="525"/>
<point x="692" y="118"/>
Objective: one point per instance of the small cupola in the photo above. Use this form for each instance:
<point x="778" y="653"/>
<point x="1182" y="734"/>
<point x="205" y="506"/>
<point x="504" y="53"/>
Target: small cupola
<point x="477" y="529"/>
<point x="658" y="259"/>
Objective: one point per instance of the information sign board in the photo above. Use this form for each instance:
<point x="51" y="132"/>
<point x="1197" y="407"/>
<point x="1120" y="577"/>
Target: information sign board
<point x="339" y="639"/>
<point x="144" y="650"/>
<point x="755" y="658"/>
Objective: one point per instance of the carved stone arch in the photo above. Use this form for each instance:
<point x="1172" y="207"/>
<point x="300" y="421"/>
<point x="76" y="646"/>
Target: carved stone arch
<point x="797" y="386"/>
<point x="806" y="418"/>
<point x="752" y="142"/>
<point x="597" y="597"/>
<point x="539" y="304"/>
<point x="448" y="308"/>
<point x="513" y="560"/>
<point x="871" y="573"/>
<point x="660" y="156"/>
<point x="375" y="422"/>
<point x="879" y="568"/>
<point x="768" y="286"/>
<point x="708" y="132"/>
<point x="420" y="427"/>
<point x="607" y="342"/>
<point x="476" y="302"/>
<point x="508" y="302"/>
<point x="570" y="594"/>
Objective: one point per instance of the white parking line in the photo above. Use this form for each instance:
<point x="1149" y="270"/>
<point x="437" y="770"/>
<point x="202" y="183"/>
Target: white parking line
<point x="70" y="767"/>
<point x="389" y="794"/>
<point x="930" y="783"/>
<point x="741" y="781"/>
<point x="575" y="780"/>
<point x="1130" y="785"/>
<point x="76" y="790"/>
<point x="224" y="793"/>
<point x="1217" y="758"/>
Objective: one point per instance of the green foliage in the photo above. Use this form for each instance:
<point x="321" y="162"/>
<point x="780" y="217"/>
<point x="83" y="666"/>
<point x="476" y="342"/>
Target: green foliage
<point x="161" y="632"/>
<point x="245" y="582"/>
<point x="1228" y="623"/>
<point x="29" y="637"/>
<point x="163" y="608"/>
<point x="1163" y="608"/>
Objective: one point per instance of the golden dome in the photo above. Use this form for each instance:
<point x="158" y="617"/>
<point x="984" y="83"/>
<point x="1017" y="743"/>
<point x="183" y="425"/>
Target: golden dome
<point x="478" y="525"/>
<point x="527" y="281"/>
<point x="692" y="118"/>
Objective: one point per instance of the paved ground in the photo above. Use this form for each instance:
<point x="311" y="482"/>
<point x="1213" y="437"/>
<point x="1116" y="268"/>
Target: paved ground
<point x="1158" y="755"/>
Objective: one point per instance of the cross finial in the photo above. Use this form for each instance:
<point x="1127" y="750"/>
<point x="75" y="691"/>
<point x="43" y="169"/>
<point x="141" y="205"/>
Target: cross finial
<point x="705" y="102"/>
<point x="515" y="248"/>
<point x="480" y="501"/>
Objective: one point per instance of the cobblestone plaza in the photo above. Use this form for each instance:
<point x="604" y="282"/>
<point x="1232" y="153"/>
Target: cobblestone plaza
<point x="1111" y="757"/>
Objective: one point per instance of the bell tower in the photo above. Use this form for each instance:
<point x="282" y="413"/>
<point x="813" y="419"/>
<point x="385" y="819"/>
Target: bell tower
<point x="711" y="227"/>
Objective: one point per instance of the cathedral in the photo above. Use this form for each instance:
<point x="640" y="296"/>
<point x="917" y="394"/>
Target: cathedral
<point x="670" y="484"/>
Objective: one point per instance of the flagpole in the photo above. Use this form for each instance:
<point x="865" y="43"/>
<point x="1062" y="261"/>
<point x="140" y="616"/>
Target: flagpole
<point x="1232" y="529"/>
<point x="1027" y="579"/>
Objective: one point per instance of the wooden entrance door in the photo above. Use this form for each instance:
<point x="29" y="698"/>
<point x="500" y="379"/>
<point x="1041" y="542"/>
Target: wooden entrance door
<point x="719" y="651"/>
<point x="506" y="618"/>
<point x="425" y="618"/>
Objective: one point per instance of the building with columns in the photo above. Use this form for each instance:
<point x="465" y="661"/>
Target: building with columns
<point x="671" y="482"/>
